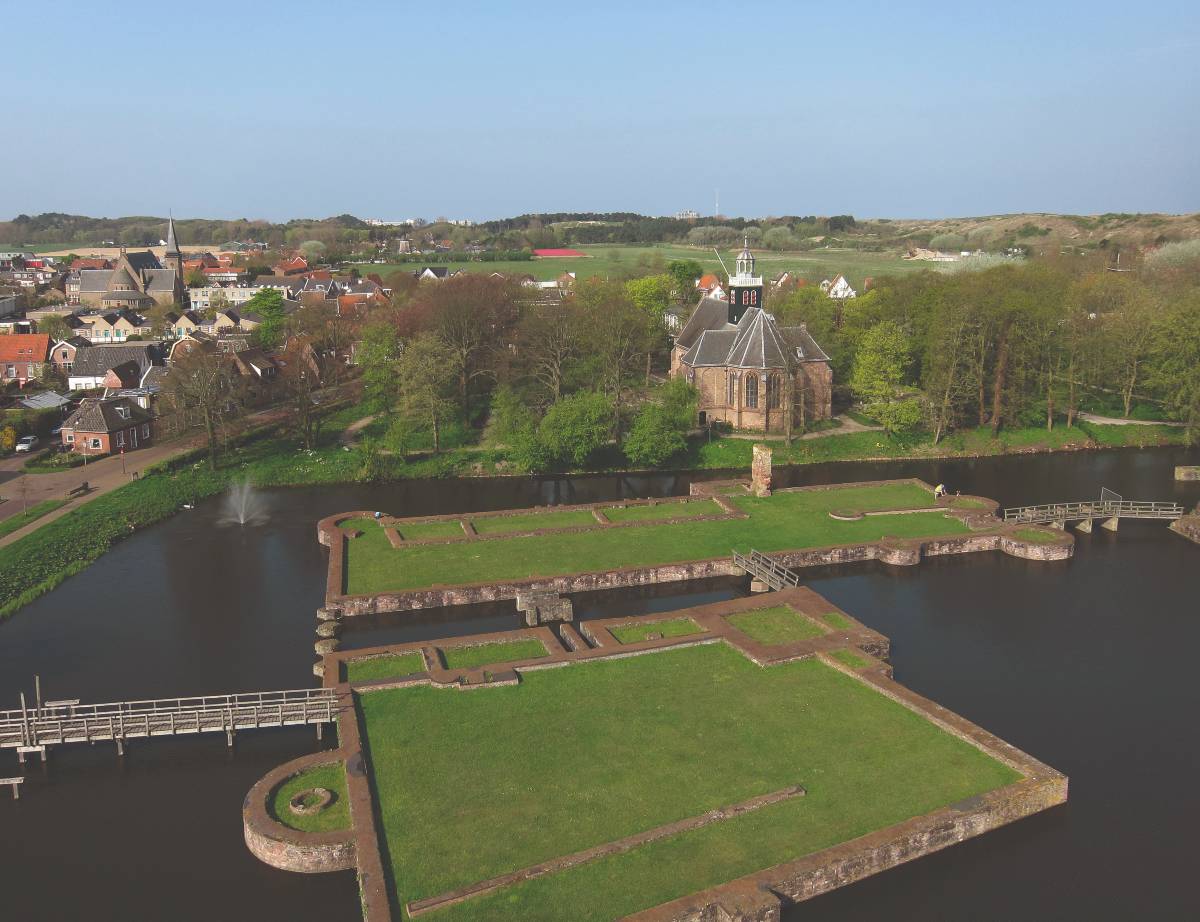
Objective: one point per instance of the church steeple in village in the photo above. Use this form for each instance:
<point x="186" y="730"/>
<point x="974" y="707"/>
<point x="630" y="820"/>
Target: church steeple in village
<point x="745" y="288"/>
<point x="173" y="259"/>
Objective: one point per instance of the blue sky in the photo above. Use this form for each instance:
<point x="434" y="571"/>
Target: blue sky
<point x="890" y="109"/>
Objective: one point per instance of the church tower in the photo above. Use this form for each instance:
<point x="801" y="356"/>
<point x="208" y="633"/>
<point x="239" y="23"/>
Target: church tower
<point x="173" y="259"/>
<point x="745" y="288"/>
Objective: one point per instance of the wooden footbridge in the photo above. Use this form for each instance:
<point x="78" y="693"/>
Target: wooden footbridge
<point x="1111" y="507"/>
<point x="53" y="723"/>
<point x="765" y="569"/>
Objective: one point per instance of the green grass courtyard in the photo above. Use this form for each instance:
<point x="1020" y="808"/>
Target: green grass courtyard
<point x="783" y="521"/>
<point x="472" y="786"/>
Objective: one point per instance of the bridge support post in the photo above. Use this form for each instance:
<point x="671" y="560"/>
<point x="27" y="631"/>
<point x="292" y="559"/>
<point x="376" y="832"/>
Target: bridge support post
<point x="320" y="730"/>
<point x="229" y="737"/>
<point x="120" y="747"/>
<point x="1110" y="524"/>
<point x="1085" y="526"/>
<point x="1060" y="524"/>
<point x="757" y="585"/>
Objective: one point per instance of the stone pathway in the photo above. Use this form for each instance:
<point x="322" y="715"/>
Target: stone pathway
<point x="847" y="426"/>
<point x="1114" y="421"/>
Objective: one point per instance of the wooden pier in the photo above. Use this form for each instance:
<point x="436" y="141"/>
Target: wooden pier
<point x="763" y="568"/>
<point x="54" y="723"/>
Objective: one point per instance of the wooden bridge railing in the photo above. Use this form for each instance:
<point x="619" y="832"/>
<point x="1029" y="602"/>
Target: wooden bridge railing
<point x="765" y="568"/>
<point x="1102" y="509"/>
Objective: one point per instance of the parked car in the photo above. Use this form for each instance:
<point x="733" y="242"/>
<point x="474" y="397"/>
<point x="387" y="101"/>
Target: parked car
<point x="28" y="443"/>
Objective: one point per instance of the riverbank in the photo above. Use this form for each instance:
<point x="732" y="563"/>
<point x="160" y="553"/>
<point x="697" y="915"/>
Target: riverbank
<point x="70" y="540"/>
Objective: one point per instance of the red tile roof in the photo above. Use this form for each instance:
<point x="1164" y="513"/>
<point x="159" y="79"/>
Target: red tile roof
<point x="91" y="263"/>
<point x="557" y="253"/>
<point x="708" y="281"/>
<point x="24" y="347"/>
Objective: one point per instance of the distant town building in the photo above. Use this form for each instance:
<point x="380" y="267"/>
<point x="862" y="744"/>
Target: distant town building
<point x="838" y="288"/>
<point x="137" y="281"/>
<point x="686" y="215"/>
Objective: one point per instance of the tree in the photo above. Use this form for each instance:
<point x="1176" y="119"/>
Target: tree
<point x="300" y="379"/>
<point x="660" y="428"/>
<point x="203" y="386"/>
<point x="268" y="304"/>
<point x="425" y="376"/>
<point x="684" y="272"/>
<point x="55" y="326"/>
<point x="575" y="427"/>
<point x="880" y="365"/>
<point x="195" y="279"/>
<point x="619" y="333"/>
<point x="376" y="356"/>
<point x="312" y="250"/>
<point x="550" y="339"/>
<point x="652" y="294"/>
<point x="1176" y="368"/>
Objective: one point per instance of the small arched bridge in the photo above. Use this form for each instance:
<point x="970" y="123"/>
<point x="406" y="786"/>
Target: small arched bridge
<point x="1111" y="507"/>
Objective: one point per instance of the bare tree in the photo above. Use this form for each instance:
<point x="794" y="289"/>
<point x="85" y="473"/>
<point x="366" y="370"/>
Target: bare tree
<point x="206" y="390"/>
<point x="550" y="341"/>
<point x="425" y="375"/>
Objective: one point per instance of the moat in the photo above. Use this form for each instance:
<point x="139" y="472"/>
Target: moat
<point x="1070" y="661"/>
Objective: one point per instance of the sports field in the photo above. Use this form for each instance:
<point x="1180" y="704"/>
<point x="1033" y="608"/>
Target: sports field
<point x="783" y="521"/>
<point x="474" y="786"/>
<point x="627" y="261"/>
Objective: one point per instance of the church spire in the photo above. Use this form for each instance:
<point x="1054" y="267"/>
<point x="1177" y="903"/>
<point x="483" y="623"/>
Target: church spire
<point x="745" y="261"/>
<point x="172" y="246"/>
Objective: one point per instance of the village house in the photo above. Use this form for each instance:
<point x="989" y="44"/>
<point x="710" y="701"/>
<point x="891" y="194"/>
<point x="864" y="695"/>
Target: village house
<point x="838" y="288"/>
<point x="109" y="365"/>
<point x="291" y="266"/>
<point x="103" y="425"/>
<point x="63" y="352"/>
<point x="22" y="357"/>
<point x="745" y="366"/>
<point x="113" y="326"/>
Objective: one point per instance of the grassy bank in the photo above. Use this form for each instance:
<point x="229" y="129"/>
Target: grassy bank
<point x="32" y="514"/>
<point x="631" y="748"/>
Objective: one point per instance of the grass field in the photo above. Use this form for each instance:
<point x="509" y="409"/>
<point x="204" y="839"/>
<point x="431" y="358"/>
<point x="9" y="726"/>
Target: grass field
<point x="333" y="817"/>
<point x="676" y="627"/>
<point x="663" y="511"/>
<point x="384" y="667"/>
<point x="627" y="261"/>
<point x="603" y="750"/>
<point x="487" y="654"/>
<point x="779" y="522"/>
<point x="778" y="624"/>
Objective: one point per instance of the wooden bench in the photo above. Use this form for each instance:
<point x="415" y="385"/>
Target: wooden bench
<point x="80" y="490"/>
<point x="16" y="786"/>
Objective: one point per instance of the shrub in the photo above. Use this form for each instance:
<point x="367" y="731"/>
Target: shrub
<point x="575" y="427"/>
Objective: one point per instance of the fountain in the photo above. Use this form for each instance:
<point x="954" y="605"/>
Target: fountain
<point x="243" y="506"/>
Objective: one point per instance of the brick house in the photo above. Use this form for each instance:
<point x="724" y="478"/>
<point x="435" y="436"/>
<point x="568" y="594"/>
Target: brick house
<point x="22" y="356"/>
<point x="104" y="425"/>
<point x="744" y="363"/>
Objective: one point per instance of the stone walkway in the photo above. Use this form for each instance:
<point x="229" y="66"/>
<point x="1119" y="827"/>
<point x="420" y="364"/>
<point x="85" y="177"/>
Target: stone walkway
<point x="1114" y="421"/>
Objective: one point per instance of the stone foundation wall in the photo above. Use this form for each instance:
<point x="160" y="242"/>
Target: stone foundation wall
<point x="290" y="849"/>
<point x="1188" y="526"/>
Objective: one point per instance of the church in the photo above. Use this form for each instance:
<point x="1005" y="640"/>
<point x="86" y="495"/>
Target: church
<point x="745" y="365"/>
<point x="137" y="282"/>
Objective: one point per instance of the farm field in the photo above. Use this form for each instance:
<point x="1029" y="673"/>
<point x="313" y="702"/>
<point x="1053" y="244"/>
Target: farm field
<point x="782" y="521"/>
<point x="618" y="261"/>
<point x="609" y="749"/>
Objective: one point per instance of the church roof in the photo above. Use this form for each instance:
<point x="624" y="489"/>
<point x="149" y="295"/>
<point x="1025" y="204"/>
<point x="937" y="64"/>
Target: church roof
<point x="160" y="280"/>
<point x="94" y="279"/>
<point x="143" y="261"/>
<point x="756" y="342"/>
<point x="710" y="314"/>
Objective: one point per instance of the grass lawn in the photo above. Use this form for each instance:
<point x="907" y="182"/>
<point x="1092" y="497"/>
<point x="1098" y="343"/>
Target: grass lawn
<point x="662" y="511"/>
<point x="471" y="786"/>
<point x="532" y="521"/>
<point x="422" y="531"/>
<point x="508" y="651"/>
<point x="1035" y="536"/>
<point x="677" y="627"/>
<point x="837" y="621"/>
<point x="776" y="625"/>
<point x="850" y="658"/>
<point x="779" y="522"/>
<point x="36" y="511"/>
<point x="384" y="667"/>
<point x="333" y="817"/>
<point x="359" y="524"/>
<point x="622" y="261"/>
<point x="967" y="502"/>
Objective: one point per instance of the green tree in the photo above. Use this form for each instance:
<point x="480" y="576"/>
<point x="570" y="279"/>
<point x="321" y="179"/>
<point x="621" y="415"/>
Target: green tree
<point x="652" y="294"/>
<point x="684" y="272"/>
<point x="55" y="326"/>
<point x="575" y="427"/>
<point x="268" y="304"/>
<point x="659" y="430"/>
<point x="425" y="378"/>
<point x="376" y="356"/>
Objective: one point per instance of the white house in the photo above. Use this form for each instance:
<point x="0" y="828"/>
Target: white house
<point x="838" y="289"/>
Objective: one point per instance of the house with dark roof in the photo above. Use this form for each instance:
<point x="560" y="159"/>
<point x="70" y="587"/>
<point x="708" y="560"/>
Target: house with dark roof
<point x="103" y="425"/>
<point x="92" y="366"/>
<point x="22" y="356"/>
<point x="747" y="368"/>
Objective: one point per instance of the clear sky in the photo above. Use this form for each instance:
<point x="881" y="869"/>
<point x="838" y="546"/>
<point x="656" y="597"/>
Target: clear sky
<point x="465" y="109"/>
